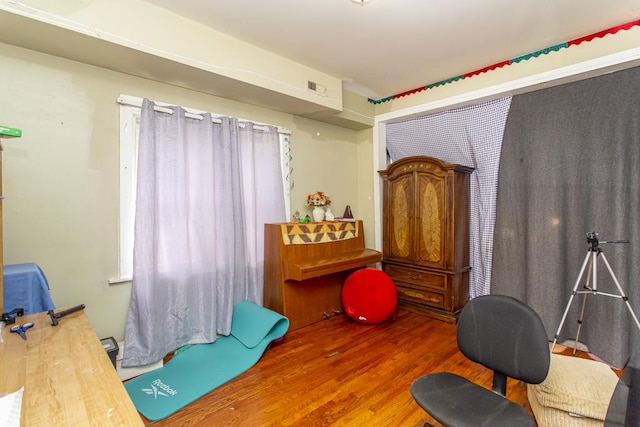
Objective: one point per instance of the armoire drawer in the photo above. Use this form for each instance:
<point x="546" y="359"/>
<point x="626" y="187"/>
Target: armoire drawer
<point x="420" y="296"/>
<point x="416" y="277"/>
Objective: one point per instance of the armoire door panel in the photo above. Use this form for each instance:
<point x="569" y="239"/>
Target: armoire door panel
<point x="400" y="218"/>
<point x="431" y="220"/>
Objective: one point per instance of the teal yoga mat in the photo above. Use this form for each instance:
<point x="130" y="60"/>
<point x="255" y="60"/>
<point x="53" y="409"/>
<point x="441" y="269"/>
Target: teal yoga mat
<point x="199" y="369"/>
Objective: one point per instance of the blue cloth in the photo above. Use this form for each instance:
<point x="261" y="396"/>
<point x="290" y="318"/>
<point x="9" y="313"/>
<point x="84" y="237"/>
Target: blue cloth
<point x="25" y="286"/>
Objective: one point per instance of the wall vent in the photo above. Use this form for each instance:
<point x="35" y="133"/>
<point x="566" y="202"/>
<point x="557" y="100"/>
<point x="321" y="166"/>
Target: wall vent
<point x="316" y="88"/>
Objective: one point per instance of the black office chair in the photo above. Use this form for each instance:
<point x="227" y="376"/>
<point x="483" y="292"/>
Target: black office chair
<point x="504" y="335"/>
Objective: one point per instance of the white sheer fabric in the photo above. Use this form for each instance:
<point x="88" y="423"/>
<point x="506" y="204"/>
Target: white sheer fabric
<point x="204" y="192"/>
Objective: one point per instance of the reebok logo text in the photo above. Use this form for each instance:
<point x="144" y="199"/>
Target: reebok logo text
<point x="156" y="387"/>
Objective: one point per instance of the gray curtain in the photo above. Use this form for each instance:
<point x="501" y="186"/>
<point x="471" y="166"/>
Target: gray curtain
<point x="569" y="166"/>
<point x="470" y="136"/>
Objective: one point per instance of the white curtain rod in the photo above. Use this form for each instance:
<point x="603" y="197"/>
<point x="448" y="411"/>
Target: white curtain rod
<point x="193" y="113"/>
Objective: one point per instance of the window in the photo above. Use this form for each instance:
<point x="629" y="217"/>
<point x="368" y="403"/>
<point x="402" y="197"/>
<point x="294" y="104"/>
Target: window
<point x="129" y="132"/>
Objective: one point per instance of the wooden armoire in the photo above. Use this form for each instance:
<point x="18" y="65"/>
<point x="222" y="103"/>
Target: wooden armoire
<point x="426" y="208"/>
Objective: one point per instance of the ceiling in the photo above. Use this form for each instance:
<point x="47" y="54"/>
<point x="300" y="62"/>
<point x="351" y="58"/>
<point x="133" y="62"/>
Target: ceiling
<point x="387" y="47"/>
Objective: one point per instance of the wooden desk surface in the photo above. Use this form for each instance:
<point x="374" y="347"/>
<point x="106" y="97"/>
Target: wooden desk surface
<point x="67" y="376"/>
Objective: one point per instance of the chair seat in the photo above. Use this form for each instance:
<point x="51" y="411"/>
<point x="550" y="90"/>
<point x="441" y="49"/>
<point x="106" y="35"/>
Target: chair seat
<point x="455" y="401"/>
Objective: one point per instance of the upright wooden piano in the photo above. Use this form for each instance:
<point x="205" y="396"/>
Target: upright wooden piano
<point x="306" y="265"/>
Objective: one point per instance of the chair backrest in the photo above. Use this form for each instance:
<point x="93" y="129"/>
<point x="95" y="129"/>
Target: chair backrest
<point x="506" y="336"/>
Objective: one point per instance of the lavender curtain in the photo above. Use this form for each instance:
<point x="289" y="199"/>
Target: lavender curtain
<point x="204" y="191"/>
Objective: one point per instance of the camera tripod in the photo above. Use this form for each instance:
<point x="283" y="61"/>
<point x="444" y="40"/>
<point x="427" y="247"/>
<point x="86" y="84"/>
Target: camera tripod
<point x="591" y="285"/>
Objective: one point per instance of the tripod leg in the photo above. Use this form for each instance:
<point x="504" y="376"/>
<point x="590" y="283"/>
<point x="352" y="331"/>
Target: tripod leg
<point x="591" y="275"/>
<point x="575" y="343"/>
<point x="622" y="294"/>
<point x="573" y="294"/>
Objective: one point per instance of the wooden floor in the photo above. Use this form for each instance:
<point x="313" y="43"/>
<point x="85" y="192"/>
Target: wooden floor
<point x="339" y="372"/>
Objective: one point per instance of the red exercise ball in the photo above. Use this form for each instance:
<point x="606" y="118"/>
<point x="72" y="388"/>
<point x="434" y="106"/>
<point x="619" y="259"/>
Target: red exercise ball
<point x="369" y="296"/>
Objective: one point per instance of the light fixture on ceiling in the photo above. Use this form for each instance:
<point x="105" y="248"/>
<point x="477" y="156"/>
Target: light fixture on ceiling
<point x="360" y="2"/>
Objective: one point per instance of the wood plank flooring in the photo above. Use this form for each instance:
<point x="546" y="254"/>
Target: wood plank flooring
<point x="343" y="373"/>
